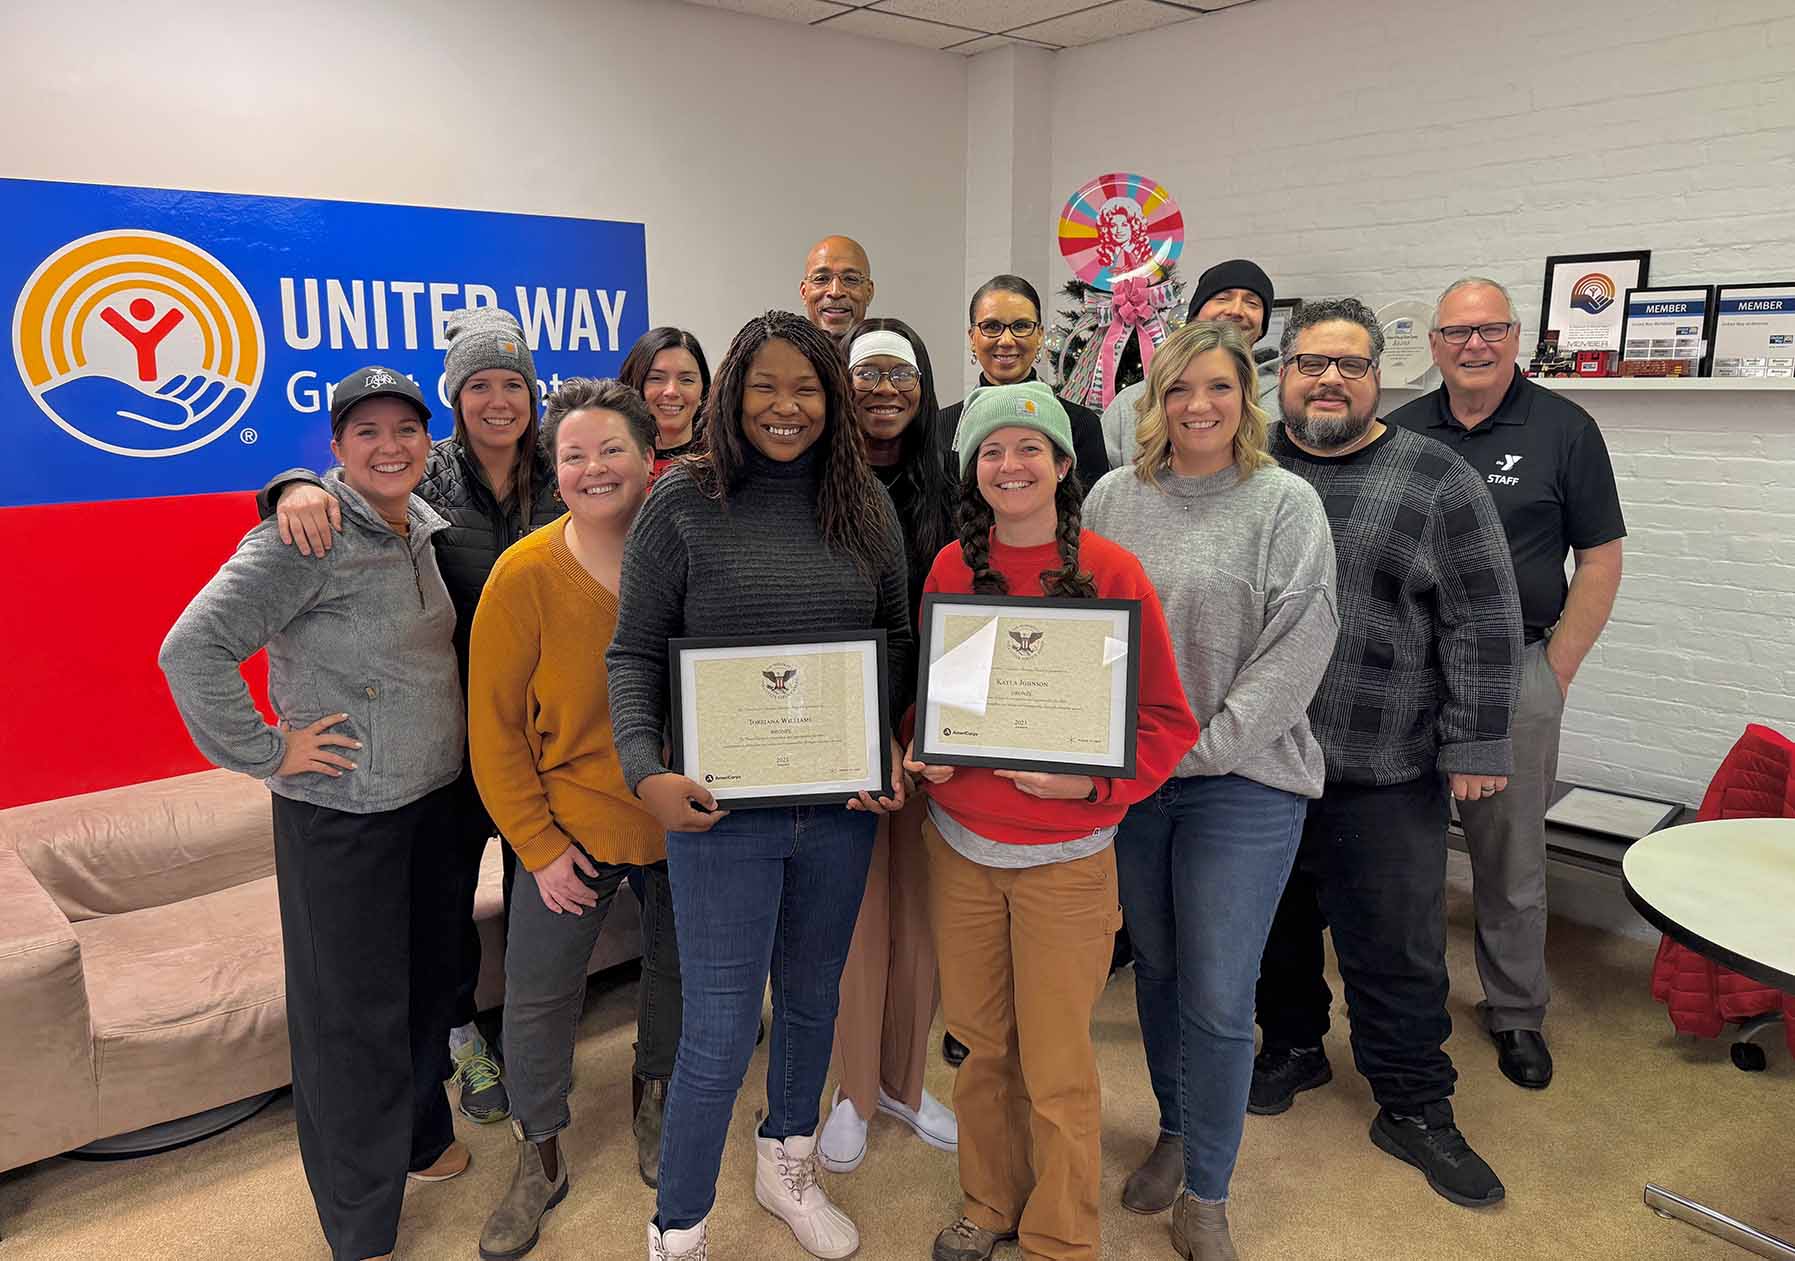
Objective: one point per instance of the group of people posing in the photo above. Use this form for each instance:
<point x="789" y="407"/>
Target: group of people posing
<point x="1345" y="621"/>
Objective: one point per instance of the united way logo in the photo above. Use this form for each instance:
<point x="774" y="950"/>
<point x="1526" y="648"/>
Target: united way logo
<point x="1593" y="293"/>
<point x="138" y="343"/>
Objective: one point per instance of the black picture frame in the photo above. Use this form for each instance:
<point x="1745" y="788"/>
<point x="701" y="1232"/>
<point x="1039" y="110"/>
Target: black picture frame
<point x="1710" y="310"/>
<point x="1125" y="769"/>
<point x="765" y="645"/>
<point x="1554" y="261"/>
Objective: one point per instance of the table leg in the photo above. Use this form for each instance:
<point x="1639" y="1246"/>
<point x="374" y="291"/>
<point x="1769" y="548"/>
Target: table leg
<point x="1670" y="1204"/>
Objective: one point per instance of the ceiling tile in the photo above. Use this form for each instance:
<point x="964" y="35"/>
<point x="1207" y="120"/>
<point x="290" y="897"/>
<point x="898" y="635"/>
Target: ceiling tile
<point x="903" y="30"/>
<point x="1104" y="21"/>
<point x="985" y="15"/>
<point x="788" y="10"/>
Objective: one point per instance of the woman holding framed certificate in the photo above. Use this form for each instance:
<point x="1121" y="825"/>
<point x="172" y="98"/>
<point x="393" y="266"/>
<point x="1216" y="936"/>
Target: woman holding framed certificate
<point x="776" y="559"/>
<point x="1022" y="871"/>
<point x="889" y="987"/>
<point x="1241" y="555"/>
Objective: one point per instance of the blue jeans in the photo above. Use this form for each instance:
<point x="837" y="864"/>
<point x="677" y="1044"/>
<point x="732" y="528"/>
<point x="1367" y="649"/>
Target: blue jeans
<point x="775" y="889"/>
<point x="1202" y="864"/>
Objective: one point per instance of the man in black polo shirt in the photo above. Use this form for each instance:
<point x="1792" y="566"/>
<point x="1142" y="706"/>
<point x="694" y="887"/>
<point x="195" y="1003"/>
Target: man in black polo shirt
<point x="1546" y="467"/>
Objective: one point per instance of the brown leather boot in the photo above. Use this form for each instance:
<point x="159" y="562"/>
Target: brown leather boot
<point x="1200" y="1230"/>
<point x="650" y="1098"/>
<point x="1155" y="1185"/>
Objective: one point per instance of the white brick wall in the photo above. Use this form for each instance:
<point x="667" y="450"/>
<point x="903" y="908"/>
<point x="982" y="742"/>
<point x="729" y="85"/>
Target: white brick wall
<point x="1383" y="148"/>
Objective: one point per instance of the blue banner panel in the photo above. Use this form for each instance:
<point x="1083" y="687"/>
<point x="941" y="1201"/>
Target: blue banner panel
<point x="1769" y="305"/>
<point x="181" y="343"/>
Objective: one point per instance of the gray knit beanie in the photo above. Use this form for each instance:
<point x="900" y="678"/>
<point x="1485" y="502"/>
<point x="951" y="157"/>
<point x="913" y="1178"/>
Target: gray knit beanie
<point x="482" y="338"/>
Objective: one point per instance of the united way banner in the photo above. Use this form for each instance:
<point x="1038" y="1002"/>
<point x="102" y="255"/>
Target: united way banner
<point x="179" y="343"/>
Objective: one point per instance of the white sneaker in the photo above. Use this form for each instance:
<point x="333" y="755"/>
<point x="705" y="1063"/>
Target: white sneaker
<point x="842" y="1144"/>
<point x="786" y="1186"/>
<point x="934" y="1122"/>
<point x="678" y="1245"/>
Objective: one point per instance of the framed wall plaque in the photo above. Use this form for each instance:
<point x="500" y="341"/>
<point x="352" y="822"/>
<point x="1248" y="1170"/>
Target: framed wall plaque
<point x="1666" y="332"/>
<point x="1754" y="330"/>
<point x="1408" y="357"/>
<point x="1583" y="299"/>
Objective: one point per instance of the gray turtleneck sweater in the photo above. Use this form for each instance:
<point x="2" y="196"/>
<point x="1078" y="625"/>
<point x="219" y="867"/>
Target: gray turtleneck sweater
<point x="1245" y="572"/>
<point x="751" y="565"/>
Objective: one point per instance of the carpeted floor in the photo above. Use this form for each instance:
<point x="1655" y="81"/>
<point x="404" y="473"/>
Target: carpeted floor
<point x="1632" y="1103"/>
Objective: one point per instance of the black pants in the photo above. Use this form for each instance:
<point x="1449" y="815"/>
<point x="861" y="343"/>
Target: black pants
<point x="370" y="918"/>
<point x="471" y="832"/>
<point x="1371" y="867"/>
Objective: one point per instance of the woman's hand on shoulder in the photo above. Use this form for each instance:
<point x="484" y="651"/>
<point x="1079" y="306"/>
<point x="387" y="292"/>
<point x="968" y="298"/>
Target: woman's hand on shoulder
<point x="679" y="804"/>
<point x="308" y="516"/>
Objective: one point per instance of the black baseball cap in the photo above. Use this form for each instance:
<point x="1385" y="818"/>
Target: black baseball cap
<point x="367" y="383"/>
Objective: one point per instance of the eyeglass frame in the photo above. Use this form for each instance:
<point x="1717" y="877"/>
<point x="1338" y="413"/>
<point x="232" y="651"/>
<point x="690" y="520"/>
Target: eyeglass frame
<point x="1034" y="326"/>
<point x="884" y="376"/>
<point x="1335" y="362"/>
<point x="823" y="278"/>
<point x="1507" y="327"/>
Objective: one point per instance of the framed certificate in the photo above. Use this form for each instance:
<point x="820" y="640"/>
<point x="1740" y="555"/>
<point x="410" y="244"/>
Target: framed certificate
<point x="1666" y="332"/>
<point x="1754" y="330"/>
<point x="782" y="722"/>
<point x="1582" y="301"/>
<point x="1029" y="683"/>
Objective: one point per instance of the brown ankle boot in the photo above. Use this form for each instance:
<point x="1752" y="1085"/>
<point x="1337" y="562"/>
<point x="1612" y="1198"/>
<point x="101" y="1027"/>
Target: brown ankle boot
<point x="516" y="1224"/>
<point x="1155" y="1185"/>
<point x="1200" y="1230"/>
<point x="650" y="1097"/>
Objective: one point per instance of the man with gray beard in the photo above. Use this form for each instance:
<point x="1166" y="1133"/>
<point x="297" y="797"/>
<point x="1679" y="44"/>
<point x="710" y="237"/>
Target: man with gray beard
<point x="1416" y="700"/>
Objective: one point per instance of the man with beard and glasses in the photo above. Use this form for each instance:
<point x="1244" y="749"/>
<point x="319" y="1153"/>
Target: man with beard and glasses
<point x="1548" y="471"/>
<point x="1417" y="698"/>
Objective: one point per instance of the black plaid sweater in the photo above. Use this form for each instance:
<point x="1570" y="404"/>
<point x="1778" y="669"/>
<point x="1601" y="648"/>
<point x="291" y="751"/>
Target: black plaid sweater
<point x="1425" y="669"/>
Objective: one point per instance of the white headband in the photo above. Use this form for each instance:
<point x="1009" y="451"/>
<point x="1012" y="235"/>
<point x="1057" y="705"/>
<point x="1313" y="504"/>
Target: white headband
<point x="882" y="342"/>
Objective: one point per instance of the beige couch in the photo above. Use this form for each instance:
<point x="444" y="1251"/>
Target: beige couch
<point x="140" y="958"/>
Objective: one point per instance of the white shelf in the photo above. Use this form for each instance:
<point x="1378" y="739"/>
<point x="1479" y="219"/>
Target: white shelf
<point x="1680" y="384"/>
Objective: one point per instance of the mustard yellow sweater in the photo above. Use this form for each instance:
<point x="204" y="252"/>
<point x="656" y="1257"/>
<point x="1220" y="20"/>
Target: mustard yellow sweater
<point x="539" y="716"/>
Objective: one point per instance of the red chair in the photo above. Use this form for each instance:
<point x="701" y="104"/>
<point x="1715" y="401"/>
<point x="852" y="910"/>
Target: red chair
<point x="1755" y="781"/>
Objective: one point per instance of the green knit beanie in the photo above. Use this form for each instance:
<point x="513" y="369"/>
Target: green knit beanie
<point x="1029" y="404"/>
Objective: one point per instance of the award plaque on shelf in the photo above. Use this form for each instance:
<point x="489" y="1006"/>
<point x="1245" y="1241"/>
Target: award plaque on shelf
<point x="1754" y="330"/>
<point x="1667" y="332"/>
<point x="1583" y="297"/>
<point x="1408" y="357"/>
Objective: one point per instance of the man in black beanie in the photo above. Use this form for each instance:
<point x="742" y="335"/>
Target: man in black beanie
<point x="1235" y="292"/>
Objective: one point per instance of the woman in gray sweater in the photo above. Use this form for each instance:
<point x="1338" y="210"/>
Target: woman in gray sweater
<point x="1240" y="553"/>
<point x="361" y="670"/>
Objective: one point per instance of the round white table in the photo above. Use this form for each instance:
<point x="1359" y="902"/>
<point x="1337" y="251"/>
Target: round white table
<point x="1726" y="890"/>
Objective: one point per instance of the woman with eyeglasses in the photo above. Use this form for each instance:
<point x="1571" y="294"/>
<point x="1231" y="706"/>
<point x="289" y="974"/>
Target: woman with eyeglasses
<point x="1240" y="553"/>
<point x="889" y="987"/>
<point x="667" y="368"/>
<point x="1005" y="333"/>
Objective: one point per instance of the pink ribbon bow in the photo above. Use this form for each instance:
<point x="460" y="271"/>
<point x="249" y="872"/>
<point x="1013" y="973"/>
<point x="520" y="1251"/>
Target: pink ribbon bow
<point x="1131" y="310"/>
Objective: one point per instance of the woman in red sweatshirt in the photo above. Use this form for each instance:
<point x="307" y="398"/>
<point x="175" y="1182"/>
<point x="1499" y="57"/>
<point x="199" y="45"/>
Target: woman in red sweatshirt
<point x="1021" y="865"/>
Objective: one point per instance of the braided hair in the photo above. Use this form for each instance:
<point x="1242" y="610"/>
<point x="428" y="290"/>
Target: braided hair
<point x="977" y="520"/>
<point x="853" y="513"/>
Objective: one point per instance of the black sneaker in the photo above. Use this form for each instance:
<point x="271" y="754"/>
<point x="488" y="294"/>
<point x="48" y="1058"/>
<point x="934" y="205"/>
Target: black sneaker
<point x="1433" y="1144"/>
<point x="1279" y="1073"/>
<point x="953" y="1050"/>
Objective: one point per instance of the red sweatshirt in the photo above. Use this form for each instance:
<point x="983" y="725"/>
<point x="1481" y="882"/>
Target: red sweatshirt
<point x="995" y="808"/>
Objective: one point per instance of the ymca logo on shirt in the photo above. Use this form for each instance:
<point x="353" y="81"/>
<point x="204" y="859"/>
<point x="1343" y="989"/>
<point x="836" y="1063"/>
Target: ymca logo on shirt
<point x="1499" y="479"/>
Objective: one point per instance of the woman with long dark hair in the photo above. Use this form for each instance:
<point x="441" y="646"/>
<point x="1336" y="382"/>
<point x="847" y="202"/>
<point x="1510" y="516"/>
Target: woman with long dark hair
<point x="667" y="368"/>
<point x="777" y="527"/>
<point x="889" y="987"/>
<point x="1022" y="870"/>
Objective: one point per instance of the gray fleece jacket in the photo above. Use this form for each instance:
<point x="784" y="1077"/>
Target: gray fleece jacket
<point x="365" y="630"/>
<point x="1245" y="572"/>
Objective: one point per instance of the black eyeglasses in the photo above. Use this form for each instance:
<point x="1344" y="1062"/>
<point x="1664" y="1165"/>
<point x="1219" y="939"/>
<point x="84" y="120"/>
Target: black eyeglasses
<point x="991" y="330"/>
<point x="1352" y="367"/>
<point x="1459" y="334"/>
<point x="822" y="277"/>
<point x="903" y="377"/>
